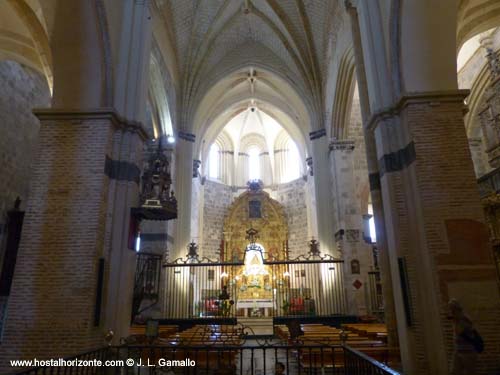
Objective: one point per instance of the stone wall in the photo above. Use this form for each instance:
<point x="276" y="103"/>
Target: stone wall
<point x="217" y="198"/>
<point x="292" y="196"/>
<point x="21" y="90"/>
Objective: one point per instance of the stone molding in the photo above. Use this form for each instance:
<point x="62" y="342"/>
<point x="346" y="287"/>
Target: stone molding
<point x="398" y="160"/>
<point x="281" y="150"/>
<point x="185" y="136"/>
<point x="110" y="114"/>
<point x="121" y="170"/>
<point x="317" y="134"/>
<point x="342" y="145"/>
<point x="433" y="98"/>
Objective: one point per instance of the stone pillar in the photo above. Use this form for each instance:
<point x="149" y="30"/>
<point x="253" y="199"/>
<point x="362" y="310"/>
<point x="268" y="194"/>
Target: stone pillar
<point x="374" y="180"/>
<point x="185" y="172"/>
<point x="265" y="169"/>
<point x="349" y="219"/>
<point x="280" y="157"/>
<point x="227" y="167"/>
<point x="125" y="164"/>
<point x="322" y="184"/>
<point x="84" y="181"/>
<point x="242" y="169"/>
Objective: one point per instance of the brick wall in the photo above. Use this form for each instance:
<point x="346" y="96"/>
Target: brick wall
<point x="449" y="191"/>
<point x="51" y="305"/>
<point x="77" y="213"/>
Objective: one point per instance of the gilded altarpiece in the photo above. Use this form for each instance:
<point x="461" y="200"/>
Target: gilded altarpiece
<point x="255" y="229"/>
<point x="255" y="209"/>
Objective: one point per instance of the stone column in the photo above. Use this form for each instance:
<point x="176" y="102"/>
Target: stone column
<point x="280" y="157"/>
<point x="349" y="219"/>
<point x="242" y="169"/>
<point x="227" y="164"/>
<point x="322" y="185"/>
<point x="374" y="179"/>
<point x="185" y="172"/>
<point x="265" y="168"/>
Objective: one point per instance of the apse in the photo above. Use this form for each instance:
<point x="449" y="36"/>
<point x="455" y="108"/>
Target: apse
<point x="253" y="146"/>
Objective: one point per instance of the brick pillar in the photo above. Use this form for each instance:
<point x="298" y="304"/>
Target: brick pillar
<point x="435" y="226"/>
<point x="51" y="309"/>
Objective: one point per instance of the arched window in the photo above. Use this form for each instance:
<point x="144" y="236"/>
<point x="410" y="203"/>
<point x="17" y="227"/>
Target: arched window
<point x="213" y="161"/>
<point x="253" y="164"/>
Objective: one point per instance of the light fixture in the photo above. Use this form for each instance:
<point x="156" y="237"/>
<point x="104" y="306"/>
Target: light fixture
<point x="170" y="139"/>
<point x="224" y="274"/>
<point x="286" y="274"/>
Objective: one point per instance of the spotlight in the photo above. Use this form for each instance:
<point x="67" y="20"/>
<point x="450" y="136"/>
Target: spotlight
<point x="170" y="139"/>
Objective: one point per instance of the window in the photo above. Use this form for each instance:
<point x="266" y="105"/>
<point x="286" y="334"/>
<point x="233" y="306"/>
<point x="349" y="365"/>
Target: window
<point x="254" y="164"/>
<point x="213" y="161"/>
<point x="371" y="223"/>
<point x="292" y="163"/>
<point x="138" y="242"/>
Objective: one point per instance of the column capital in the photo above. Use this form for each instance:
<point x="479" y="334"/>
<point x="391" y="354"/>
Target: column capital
<point x="91" y="114"/>
<point x="432" y="98"/>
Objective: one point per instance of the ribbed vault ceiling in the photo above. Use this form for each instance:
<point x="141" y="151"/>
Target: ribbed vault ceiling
<point x="213" y="38"/>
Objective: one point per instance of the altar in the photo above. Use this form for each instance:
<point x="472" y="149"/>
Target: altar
<point x="259" y="303"/>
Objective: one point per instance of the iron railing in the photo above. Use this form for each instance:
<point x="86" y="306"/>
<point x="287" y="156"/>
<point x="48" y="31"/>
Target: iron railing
<point x="284" y="288"/>
<point x="223" y="359"/>
<point x="358" y="363"/>
<point x="147" y="282"/>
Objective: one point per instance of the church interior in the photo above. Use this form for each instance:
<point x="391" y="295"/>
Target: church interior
<point x="253" y="186"/>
